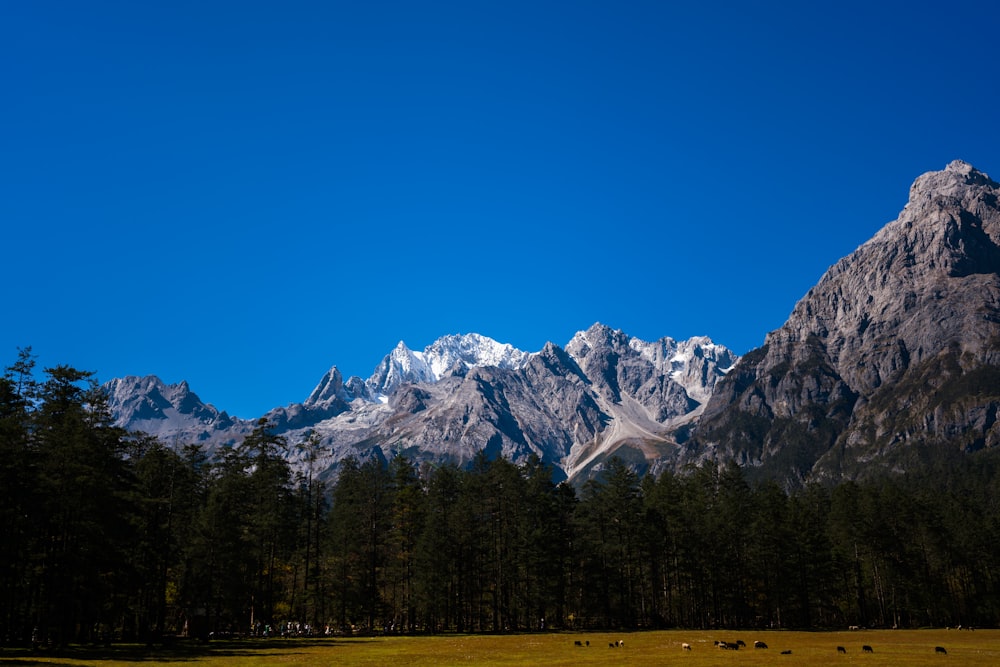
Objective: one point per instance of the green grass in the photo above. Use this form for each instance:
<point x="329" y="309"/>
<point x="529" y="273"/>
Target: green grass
<point x="891" y="647"/>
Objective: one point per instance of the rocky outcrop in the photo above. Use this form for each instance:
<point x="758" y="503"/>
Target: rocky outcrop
<point x="890" y="356"/>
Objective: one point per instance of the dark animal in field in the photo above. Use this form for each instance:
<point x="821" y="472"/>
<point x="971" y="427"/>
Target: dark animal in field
<point x="587" y="642"/>
<point x="787" y="652"/>
<point x="740" y="642"/>
<point x="759" y="644"/>
<point x="867" y="649"/>
<point x="940" y="649"/>
<point x="841" y="649"/>
<point x="611" y="644"/>
<point x="578" y="643"/>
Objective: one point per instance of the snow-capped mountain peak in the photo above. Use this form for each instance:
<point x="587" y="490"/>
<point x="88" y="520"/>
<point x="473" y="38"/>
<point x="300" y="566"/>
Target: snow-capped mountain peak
<point x="471" y="350"/>
<point x="399" y="366"/>
<point x="404" y="365"/>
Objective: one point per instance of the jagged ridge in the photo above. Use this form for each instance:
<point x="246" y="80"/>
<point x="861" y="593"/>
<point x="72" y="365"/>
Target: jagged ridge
<point x="604" y="393"/>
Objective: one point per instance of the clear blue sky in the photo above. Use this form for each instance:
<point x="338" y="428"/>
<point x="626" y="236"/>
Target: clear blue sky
<point x="243" y="194"/>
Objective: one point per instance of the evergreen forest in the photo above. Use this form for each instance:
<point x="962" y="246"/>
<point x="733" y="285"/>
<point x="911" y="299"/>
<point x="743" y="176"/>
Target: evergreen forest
<point x="107" y="535"/>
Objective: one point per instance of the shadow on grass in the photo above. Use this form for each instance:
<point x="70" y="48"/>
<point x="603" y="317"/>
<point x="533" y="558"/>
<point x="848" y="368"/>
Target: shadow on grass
<point x="179" y="652"/>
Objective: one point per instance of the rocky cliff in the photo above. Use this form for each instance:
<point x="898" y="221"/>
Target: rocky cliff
<point x="891" y="359"/>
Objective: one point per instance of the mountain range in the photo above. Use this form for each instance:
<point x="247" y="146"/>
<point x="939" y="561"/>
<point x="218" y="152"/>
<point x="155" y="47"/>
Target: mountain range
<point x="891" y="361"/>
<point x="604" y="393"/>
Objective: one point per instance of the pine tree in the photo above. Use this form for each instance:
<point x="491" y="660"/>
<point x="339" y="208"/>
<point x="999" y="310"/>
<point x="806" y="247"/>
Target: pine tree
<point x="83" y="512"/>
<point x="18" y="484"/>
<point x="407" y="523"/>
<point x="440" y="557"/>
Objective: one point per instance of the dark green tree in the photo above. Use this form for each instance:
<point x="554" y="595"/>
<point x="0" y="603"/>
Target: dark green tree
<point x="360" y="519"/>
<point x="408" y="510"/>
<point x="18" y="485"/>
<point x="308" y="598"/>
<point x="83" y="510"/>
<point x="168" y="500"/>
<point x="610" y="520"/>
<point x="442" y="574"/>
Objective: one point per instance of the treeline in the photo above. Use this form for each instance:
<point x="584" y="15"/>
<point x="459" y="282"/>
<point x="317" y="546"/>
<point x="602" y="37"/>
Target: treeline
<point x="110" y="535"/>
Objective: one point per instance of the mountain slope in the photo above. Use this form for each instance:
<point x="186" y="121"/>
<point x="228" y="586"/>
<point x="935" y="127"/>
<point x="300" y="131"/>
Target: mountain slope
<point x="891" y="357"/>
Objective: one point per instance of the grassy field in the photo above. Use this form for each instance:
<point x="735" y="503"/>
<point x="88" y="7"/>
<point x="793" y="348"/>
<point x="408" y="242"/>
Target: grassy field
<point x="912" y="648"/>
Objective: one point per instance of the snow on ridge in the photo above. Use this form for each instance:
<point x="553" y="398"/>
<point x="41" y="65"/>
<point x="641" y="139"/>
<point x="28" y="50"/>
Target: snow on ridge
<point x="399" y="366"/>
<point x="658" y="353"/>
<point x="472" y="350"/>
<point x="404" y="365"/>
<point x="690" y="373"/>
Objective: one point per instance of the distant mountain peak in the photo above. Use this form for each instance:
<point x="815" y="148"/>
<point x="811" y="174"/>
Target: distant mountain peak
<point x="438" y="359"/>
<point x="331" y="386"/>
<point x="148" y="404"/>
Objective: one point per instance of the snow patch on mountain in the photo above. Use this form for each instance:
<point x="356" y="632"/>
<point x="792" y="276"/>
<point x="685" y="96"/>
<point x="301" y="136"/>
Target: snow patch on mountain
<point x="471" y="351"/>
<point x="440" y="359"/>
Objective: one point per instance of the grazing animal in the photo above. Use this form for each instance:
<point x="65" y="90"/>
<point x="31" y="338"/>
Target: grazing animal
<point x="621" y="643"/>
<point x="740" y="642"/>
<point x="867" y="649"/>
<point x="611" y="644"/>
<point x="841" y="649"/>
<point x="588" y="642"/>
<point x="759" y="644"/>
<point x="578" y="643"/>
<point x="786" y="652"/>
<point x="686" y="646"/>
<point x="940" y="649"/>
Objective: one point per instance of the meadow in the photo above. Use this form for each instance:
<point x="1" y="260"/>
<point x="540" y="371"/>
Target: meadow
<point x="913" y="648"/>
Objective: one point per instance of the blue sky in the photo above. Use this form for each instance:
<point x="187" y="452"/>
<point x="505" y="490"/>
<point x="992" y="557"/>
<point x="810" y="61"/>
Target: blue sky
<point x="243" y="194"/>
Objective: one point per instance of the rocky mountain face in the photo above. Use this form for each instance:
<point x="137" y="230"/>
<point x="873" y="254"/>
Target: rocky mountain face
<point x="604" y="394"/>
<point x="146" y="404"/>
<point x="891" y="360"/>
